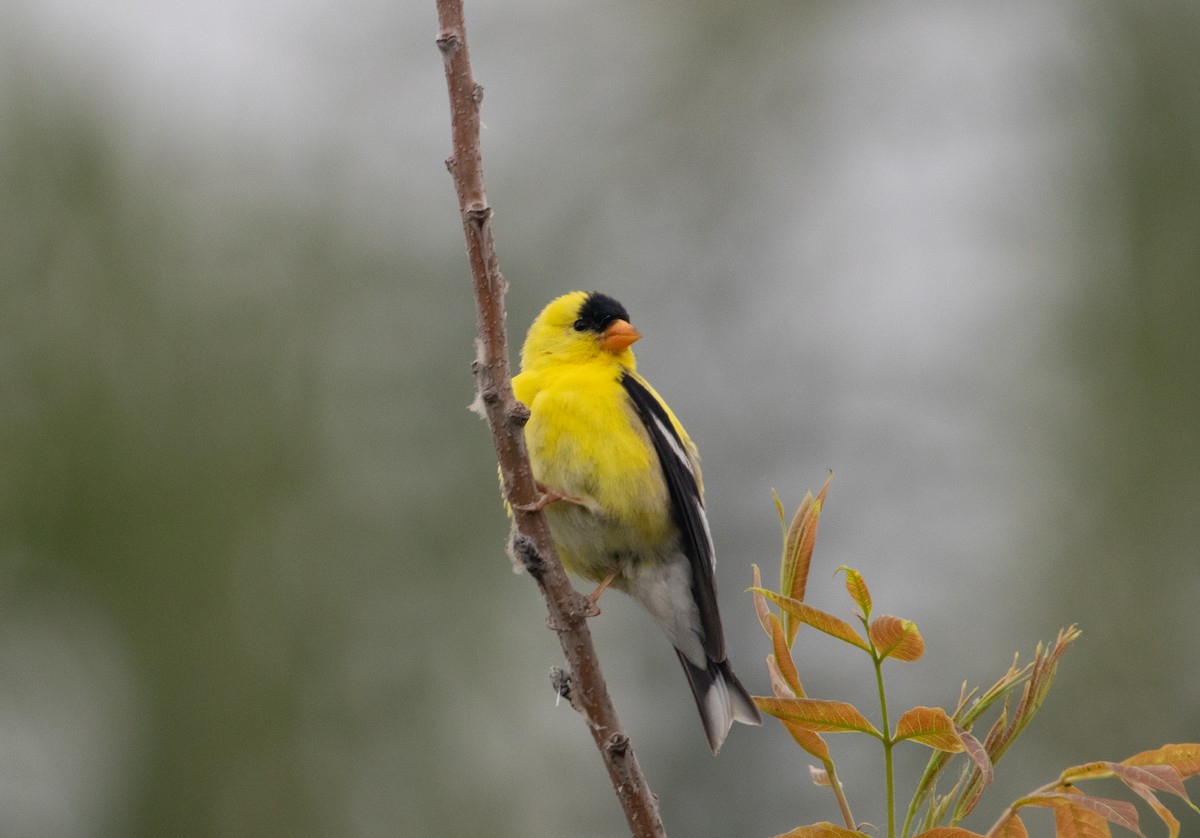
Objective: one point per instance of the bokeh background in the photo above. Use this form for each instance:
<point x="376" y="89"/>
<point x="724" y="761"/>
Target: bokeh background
<point x="251" y="569"/>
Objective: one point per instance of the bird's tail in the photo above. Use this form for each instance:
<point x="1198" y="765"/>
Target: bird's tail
<point x="720" y="698"/>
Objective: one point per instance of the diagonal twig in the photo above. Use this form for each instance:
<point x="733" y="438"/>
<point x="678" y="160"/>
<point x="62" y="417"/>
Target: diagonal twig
<point x="584" y="684"/>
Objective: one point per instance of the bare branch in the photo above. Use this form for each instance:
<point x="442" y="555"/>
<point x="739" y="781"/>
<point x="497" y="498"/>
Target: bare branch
<point x="506" y="417"/>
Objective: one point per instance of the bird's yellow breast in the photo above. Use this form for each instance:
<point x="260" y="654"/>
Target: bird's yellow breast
<point x="585" y="440"/>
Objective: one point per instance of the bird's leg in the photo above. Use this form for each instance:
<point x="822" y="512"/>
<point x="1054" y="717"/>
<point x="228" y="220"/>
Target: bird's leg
<point x="593" y="599"/>
<point x="547" y="496"/>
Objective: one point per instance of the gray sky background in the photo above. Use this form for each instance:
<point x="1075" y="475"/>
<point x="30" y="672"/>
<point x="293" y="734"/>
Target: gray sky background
<point x="250" y="540"/>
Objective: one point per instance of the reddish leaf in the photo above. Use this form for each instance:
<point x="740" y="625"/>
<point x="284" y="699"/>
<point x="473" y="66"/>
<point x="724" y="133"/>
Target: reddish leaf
<point x="778" y="685"/>
<point x="856" y="586"/>
<point x="1164" y="814"/>
<point x="983" y="764"/>
<point x="1144" y="780"/>
<point x="1117" y="811"/>
<point x="1010" y="827"/>
<point x="998" y="729"/>
<point x="807" y="739"/>
<point x="791" y="541"/>
<point x="1105" y="809"/>
<point x="817" y="715"/>
<point x="1183" y="758"/>
<point x="1072" y="821"/>
<point x="823" y="830"/>
<point x="783" y="657"/>
<point x="896" y="638"/>
<point x="818" y="619"/>
<point x="798" y="549"/>
<point x="930" y="726"/>
<point x="1160" y="777"/>
<point x="1045" y="665"/>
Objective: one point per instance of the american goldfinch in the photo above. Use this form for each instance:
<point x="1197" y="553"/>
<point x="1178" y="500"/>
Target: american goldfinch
<point x="622" y="490"/>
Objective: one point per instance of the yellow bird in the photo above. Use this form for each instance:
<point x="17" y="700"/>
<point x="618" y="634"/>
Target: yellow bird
<point x="622" y="490"/>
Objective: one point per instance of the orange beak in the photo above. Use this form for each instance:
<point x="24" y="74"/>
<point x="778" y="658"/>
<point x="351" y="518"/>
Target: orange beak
<point x="619" y="336"/>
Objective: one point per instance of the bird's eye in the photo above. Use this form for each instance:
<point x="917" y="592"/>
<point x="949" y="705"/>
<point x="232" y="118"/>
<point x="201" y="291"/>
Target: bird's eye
<point x="579" y="325"/>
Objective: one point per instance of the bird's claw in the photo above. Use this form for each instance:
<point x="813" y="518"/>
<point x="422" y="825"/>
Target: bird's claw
<point x="583" y="606"/>
<point x="591" y="608"/>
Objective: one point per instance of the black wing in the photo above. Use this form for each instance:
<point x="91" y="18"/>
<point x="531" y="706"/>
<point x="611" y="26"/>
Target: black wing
<point x="687" y="508"/>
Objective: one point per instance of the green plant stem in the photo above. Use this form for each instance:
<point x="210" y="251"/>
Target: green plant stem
<point x="888" y="744"/>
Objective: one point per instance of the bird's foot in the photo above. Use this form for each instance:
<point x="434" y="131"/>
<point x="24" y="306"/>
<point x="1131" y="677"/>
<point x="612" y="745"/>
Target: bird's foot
<point x="580" y="607"/>
<point x="590" y="608"/>
<point x="593" y="599"/>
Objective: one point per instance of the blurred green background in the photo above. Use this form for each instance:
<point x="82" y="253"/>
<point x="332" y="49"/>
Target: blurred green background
<point x="251" y="568"/>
